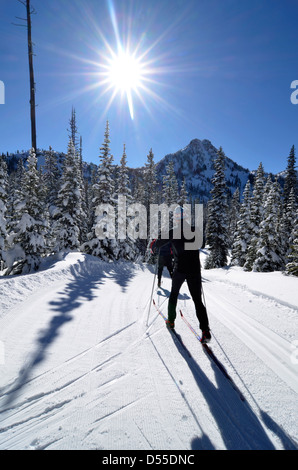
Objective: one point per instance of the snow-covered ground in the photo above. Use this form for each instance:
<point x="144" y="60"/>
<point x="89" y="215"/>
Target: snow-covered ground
<point x="86" y="362"/>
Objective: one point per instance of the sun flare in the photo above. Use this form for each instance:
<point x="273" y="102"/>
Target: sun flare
<point x="130" y="70"/>
<point x="125" y="75"/>
<point x="125" y="72"/>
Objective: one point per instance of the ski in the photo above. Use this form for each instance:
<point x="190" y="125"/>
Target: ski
<point x="212" y="356"/>
<point x="171" y="330"/>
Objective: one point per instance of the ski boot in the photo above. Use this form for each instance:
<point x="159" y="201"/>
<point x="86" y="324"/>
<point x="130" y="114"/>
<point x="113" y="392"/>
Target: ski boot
<point x="206" y="336"/>
<point x="170" y="324"/>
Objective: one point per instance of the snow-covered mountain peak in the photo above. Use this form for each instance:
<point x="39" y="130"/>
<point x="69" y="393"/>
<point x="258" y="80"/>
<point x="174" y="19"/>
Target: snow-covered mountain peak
<point x="195" y="163"/>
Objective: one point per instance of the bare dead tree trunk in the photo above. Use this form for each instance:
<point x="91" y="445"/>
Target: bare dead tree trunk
<point x="31" y="73"/>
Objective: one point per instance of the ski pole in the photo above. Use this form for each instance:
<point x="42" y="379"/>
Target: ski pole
<point x="202" y="289"/>
<point x="155" y="273"/>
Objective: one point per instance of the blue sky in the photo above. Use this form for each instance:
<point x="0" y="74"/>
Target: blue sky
<point x="215" y="69"/>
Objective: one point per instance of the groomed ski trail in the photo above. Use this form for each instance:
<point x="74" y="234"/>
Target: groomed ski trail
<point x="82" y="370"/>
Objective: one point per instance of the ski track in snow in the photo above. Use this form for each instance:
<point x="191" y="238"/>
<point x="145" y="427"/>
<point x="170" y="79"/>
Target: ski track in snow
<point x="271" y="348"/>
<point x="89" y="363"/>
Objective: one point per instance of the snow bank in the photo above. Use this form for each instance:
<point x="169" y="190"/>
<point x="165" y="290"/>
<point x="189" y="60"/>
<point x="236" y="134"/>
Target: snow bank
<point x="274" y="285"/>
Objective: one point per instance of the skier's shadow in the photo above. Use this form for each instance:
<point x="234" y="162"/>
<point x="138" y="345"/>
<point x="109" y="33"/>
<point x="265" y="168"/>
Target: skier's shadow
<point x="183" y="296"/>
<point x="162" y="292"/>
<point x="202" y="443"/>
<point x="236" y="421"/>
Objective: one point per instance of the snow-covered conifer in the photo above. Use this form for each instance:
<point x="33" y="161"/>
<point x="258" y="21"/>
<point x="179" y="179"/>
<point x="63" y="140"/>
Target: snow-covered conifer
<point x="183" y="196"/>
<point x="15" y="185"/>
<point x="289" y="218"/>
<point x="150" y="188"/>
<point x="216" y="231"/>
<point x="27" y="243"/>
<point x="68" y="213"/>
<point x="127" y="248"/>
<point x="78" y="146"/>
<point x="73" y="131"/>
<point x="139" y="191"/>
<point x="51" y="176"/>
<point x="240" y="245"/>
<point x="256" y="216"/>
<point x="269" y="256"/>
<point x="103" y="194"/>
<point x="291" y="177"/>
<point x="292" y="265"/>
<point x="3" y="208"/>
<point x="233" y="213"/>
<point x="170" y="185"/>
<point x="150" y="181"/>
<point x="123" y="184"/>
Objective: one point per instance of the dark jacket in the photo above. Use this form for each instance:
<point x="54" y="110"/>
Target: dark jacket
<point x="185" y="261"/>
<point x="166" y="250"/>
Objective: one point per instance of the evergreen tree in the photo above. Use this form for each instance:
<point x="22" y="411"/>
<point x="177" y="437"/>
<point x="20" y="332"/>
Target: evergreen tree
<point x="268" y="247"/>
<point x="233" y="214"/>
<point x="3" y="208"/>
<point x="150" y="193"/>
<point x="51" y="177"/>
<point x="241" y="240"/>
<point x="105" y="189"/>
<point x="289" y="218"/>
<point x="78" y="146"/>
<point x="126" y="246"/>
<point x="170" y="185"/>
<point x="139" y="191"/>
<point x="292" y="265"/>
<point x="81" y="154"/>
<point x="68" y="213"/>
<point x="291" y="215"/>
<point x="150" y="181"/>
<point x="28" y="239"/>
<point x="73" y="131"/>
<point x="103" y="194"/>
<point x="123" y="184"/>
<point x="216" y="231"/>
<point x="14" y="196"/>
<point x="91" y="197"/>
<point x="256" y="216"/>
<point x="183" y="197"/>
<point x="291" y="177"/>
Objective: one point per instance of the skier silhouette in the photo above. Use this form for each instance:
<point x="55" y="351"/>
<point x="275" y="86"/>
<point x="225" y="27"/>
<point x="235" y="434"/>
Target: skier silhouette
<point x="187" y="267"/>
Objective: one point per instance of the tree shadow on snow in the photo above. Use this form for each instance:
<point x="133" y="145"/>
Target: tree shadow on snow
<point x="236" y="421"/>
<point x="84" y="285"/>
<point x="122" y="273"/>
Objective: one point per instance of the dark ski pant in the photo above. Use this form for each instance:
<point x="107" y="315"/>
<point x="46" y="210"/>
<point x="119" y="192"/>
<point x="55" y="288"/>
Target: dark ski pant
<point x="194" y="286"/>
<point x="164" y="261"/>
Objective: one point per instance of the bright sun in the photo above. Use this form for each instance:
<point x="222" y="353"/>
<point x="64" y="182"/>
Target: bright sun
<point x="125" y="72"/>
<point x="128" y="72"/>
<point x="128" y="69"/>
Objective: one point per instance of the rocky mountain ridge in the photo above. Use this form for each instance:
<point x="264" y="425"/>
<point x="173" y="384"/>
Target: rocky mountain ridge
<point x="195" y="163"/>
